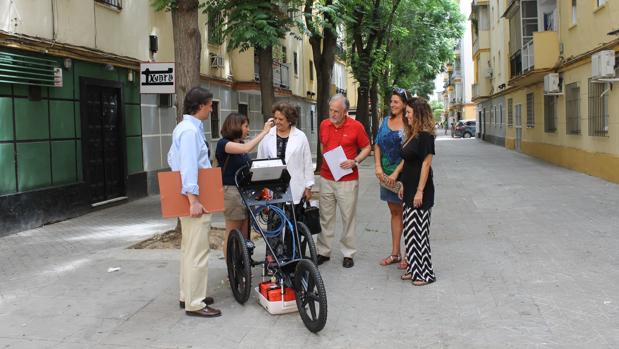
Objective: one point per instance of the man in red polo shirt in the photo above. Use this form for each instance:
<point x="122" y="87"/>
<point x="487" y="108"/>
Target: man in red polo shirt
<point x="342" y="130"/>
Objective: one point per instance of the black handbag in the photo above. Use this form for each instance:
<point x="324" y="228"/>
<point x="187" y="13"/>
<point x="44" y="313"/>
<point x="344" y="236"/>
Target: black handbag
<point x="309" y="215"/>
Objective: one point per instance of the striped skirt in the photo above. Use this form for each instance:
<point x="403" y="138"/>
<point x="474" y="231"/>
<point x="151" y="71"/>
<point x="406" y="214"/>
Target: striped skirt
<point x="417" y="242"/>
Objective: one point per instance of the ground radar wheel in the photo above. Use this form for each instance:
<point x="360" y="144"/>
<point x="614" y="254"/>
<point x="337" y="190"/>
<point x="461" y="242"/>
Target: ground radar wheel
<point x="239" y="267"/>
<point x="311" y="295"/>
<point x="308" y="246"/>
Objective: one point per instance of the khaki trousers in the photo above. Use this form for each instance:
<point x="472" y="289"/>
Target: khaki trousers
<point x="194" y="261"/>
<point x="343" y="195"/>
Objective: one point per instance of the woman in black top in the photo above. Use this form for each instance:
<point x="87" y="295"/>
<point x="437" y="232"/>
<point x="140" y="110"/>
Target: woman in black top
<point x="231" y="154"/>
<point x="418" y="190"/>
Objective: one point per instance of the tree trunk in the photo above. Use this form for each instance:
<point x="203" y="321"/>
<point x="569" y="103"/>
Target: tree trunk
<point x="363" y="104"/>
<point x="323" y="51"/>
<point x="187" y="50"/>
<point x="374" y="108"/>
<point x="267" y="92"/>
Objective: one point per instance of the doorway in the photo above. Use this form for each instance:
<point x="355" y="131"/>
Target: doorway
<point x="102" y="140"/>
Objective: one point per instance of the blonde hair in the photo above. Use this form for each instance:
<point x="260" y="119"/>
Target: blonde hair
<point x="423" y="120"/>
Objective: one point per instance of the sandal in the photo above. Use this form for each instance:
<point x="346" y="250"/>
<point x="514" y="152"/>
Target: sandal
<point x="403" y="265"/>
<point x="392" y="259"/>
<point x="422" y="282"/>
<point x="406" y="276"/>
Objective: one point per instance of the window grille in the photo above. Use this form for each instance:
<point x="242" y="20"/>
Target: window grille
<point x="530" y="110"/>
<point x="598" y="109"/>
<point x="572" y="108"/>
<point x="510" y="113"/>
<point x="550" y="114"/>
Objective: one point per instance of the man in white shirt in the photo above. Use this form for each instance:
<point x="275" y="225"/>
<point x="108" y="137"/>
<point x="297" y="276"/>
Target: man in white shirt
<point x="188" y="153"/>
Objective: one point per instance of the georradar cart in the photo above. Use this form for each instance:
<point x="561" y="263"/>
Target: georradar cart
<point x="289" y="272"/>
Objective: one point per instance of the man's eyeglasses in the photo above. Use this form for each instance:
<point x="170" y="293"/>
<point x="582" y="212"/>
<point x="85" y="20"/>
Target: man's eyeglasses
<point x="403" y="93"/>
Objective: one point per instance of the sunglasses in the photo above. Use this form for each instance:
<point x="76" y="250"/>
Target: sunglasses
<point x="406" y="96"/>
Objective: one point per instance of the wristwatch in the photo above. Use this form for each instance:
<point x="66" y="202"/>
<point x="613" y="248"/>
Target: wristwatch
<point x="356" y="162"/>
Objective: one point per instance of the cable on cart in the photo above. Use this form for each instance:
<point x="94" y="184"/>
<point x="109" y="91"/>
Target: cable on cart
<point x="277" y="231"/>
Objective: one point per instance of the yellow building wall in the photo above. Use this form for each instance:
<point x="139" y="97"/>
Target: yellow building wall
<point x="93" y="25"/>
<point x="594" y="155"/>
<point x="591" y="23"/>
<point x="304" y="61"/>
<point x="482" y="68"/>
<point x="546" y="52"/>
<point x="242" y="65"/>
<point x="468" y="112"/>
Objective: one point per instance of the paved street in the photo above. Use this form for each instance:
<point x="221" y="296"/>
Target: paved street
<point x="525" y="253"/>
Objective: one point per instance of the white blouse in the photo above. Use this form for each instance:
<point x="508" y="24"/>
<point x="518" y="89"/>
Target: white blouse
<point x="298" y="159"/>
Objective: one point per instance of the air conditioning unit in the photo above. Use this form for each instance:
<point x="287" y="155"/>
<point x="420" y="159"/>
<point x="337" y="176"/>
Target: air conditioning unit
<point x="489" y="73"/>
<point x="216" y="61"/>
<point x="552" y="84"/>
<point x="603" y="65"/>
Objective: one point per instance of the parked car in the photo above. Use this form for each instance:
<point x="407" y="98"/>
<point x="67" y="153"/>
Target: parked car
<point x="465" y="128"/>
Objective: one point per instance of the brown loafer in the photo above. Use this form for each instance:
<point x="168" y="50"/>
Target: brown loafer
<point x="205" y="312"/>
<point x="206" y="300"/>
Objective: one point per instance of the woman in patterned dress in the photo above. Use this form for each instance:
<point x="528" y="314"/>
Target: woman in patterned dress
<point x="418" y="190"/>
<point x="386" y="160"/>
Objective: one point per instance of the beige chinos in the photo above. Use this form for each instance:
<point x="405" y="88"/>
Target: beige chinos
<point x="343" y="195"/>
<point x="194" y="261"/>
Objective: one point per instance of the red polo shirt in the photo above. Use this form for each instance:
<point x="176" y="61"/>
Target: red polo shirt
<point x="350" y="135"/>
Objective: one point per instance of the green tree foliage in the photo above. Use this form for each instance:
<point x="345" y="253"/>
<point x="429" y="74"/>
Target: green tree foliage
<point x="426" y="33"/>
<point x="401" y="43"/>
<point x="259" y="24"/>
<point x="366" y="37"/>
<point x="322" y="19"/>
<point x="437" y="110"/>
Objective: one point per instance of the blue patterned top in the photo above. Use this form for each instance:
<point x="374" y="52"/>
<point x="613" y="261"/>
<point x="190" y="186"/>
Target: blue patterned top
<point x="390" y="143"/>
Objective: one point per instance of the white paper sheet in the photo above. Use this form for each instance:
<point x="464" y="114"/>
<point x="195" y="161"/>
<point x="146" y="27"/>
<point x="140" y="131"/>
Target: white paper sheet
<point x="334" y="158"/>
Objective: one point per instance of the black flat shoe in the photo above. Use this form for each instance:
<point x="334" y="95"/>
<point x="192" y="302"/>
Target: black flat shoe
<point x="348" y="262"/>
<point x="206" y="300"/>
<point x="321" y="259"/>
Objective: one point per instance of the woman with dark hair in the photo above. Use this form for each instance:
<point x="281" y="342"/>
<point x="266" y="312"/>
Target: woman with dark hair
<point x="290" y="144"/>
<point x="417" y="193"/>
<point x="386" y="160"/>
<point x="188" y="153"/>
<point x="231" y="154"/>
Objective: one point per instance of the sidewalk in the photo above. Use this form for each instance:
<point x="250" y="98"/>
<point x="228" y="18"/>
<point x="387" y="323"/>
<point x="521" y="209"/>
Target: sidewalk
<point x="525" y="255"/>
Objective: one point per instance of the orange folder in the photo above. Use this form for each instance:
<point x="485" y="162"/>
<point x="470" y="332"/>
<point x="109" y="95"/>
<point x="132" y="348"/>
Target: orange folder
<point x="175" y="204"/>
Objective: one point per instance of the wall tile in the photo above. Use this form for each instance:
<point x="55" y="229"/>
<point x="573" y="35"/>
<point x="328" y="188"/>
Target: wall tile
<point x="6" y="119"/>
<point x="7" y="169"/>
<point x="33" y="166"/>
<point x="31" y="119"/>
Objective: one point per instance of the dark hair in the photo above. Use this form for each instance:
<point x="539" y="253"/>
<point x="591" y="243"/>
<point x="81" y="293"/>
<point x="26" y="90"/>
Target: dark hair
<point x="194" y="98"/>
<point x="232" y="126"/>
<point x="423" y="119"/>
<point x="288" y="110"/>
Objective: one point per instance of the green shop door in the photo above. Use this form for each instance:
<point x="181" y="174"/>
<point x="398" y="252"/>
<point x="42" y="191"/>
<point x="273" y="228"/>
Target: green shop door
<point x="103" y="148"/>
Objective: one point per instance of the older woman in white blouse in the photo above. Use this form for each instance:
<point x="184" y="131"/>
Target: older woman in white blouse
<point x="287" y="142"/>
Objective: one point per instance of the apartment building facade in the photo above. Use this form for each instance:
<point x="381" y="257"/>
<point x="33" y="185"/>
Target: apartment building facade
<point x="459" y="74"/>
<point x="554" y="97"/>
<point x="75" y="132"/>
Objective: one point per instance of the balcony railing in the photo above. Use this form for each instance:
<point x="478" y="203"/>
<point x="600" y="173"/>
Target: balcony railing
<point x="112" y="3"/>
<point x="281" y="74"/>
<point x="528" y="56"/>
